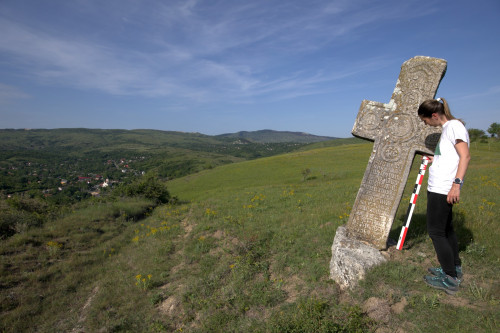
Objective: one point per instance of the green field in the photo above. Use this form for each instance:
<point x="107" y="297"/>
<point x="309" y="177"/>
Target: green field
<point x="247" y="249"/>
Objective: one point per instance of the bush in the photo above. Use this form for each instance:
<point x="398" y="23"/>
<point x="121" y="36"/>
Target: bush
<point x="149" y="187"/>
<point x="20" y="214"/>
<point x="7" y="224"/>
<point x="30" y="205"/>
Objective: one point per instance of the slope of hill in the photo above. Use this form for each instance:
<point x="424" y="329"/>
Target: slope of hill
<point x="91" y="139"/>
<point x="270" y="136"/>
<point x="102" y="139"/>
<point x="248" y="250"/>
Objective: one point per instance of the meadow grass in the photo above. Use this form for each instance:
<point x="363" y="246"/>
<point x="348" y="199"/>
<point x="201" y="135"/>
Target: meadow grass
<point x="295" y="220"/>
<point x="247" y="249"/>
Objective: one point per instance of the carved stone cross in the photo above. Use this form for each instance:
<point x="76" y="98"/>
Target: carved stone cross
<point x="398" y="134"/>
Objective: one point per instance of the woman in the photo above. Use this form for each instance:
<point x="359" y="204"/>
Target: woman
<point x="446" y="176"/>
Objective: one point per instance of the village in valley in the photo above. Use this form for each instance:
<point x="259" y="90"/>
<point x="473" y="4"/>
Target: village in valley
<point x="73" y="179"/>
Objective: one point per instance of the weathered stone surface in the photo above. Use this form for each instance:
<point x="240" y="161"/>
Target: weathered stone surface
<point x="351" y="259"/>
<point x="398" y="134"/>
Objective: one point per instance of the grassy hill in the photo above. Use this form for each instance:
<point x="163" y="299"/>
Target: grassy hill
<point x="103" y="139"/>
<point x="248" y="250"/>
<point x="99" y="139"/>
<point x="270" y="136"/>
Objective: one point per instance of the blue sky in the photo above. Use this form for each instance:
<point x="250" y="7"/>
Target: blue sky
<point x="225" y="66"/>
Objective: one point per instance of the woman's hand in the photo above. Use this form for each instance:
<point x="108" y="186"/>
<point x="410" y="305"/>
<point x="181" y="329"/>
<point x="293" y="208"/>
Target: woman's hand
<point x="454" y="194"/>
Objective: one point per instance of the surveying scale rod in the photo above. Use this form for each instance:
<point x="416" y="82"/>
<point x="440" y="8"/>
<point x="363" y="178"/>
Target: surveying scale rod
<point x="413" y="201"/>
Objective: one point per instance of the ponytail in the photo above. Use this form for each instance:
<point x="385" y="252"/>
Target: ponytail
<point x="439" y="106"/>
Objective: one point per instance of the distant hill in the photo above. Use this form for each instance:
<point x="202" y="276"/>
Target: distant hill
<point x="91" y="139"/>
<point x="84" y="139"/>
<point x="270" y="136"/>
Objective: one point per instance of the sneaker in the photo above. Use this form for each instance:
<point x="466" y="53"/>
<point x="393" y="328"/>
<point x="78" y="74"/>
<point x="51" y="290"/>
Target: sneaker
<point x="438" y="271"/>
<point x="447" y="283"/>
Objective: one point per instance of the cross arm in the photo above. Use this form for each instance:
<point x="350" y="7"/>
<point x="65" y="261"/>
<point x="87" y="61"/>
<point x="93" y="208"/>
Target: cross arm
<point x="370" y="119"/>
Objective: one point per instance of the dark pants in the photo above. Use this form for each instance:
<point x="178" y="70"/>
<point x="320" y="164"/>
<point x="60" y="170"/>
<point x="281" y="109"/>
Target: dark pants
<point x="440" y="229"/>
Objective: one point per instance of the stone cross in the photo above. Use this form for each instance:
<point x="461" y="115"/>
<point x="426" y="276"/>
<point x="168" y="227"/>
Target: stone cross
<point x="398" y="134"/>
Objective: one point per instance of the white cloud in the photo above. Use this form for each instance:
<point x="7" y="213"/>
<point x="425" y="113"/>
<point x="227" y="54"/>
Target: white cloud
<point x="191" y="49"/>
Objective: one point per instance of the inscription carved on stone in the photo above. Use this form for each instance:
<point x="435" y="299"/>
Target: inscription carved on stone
<point x="398" y="134"/>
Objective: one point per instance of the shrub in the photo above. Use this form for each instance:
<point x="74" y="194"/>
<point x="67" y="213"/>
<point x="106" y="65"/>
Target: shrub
<point x="20" y="214"/>
<point x="29" y="205"/>
<point x="149" y="187"/>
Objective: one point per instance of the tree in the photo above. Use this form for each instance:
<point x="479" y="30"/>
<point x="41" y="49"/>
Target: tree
<point x="494" y="130"/>
<point x="475" y="134"/>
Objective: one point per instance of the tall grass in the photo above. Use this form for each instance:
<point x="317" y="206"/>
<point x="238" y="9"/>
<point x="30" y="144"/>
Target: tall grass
<point x="47" y="273"/>
<point x="248" y="250"/>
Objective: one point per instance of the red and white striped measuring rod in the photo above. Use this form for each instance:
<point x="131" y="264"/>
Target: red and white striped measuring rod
<point x="413" y="201"/>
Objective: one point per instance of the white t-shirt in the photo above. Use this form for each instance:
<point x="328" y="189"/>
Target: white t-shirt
<point x="444" y="167"/>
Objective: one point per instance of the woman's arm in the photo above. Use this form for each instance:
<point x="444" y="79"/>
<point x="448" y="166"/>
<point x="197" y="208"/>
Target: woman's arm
<point x="464" y="158"/>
